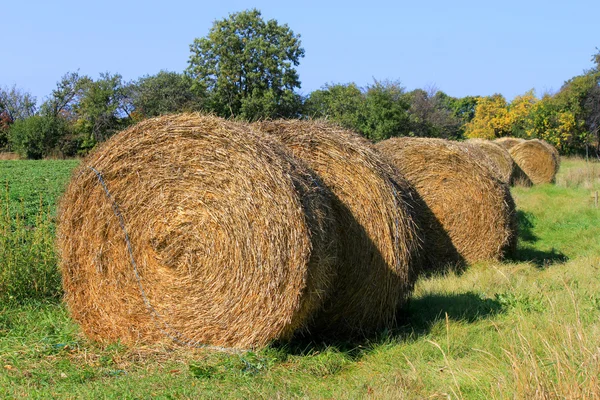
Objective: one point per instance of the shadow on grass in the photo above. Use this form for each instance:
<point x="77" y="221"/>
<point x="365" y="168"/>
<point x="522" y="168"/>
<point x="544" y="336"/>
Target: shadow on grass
<point x="525" y="221"/>
<point x="540" y="258"/>
<point x="416" y="319"/>
<point x="527" y="238"/>
<point x="424" y="312"/>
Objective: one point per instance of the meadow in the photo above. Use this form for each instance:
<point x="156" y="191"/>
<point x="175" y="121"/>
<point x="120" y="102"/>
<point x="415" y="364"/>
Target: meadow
<point x="523" y="328"/>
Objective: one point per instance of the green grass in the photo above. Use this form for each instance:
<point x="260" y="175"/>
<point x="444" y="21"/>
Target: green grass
<point x="29" y="191"/>
<point x="33" y="184"/>
<point x="526" y="328"/>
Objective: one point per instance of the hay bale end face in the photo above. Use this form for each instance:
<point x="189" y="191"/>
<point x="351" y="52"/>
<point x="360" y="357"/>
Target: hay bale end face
<point x="467" y="214"/>
<point x="537" y="160"/>
<point x="232" y="237"/>
<point x="379" y="242"/>
<point x="498" y="158"/>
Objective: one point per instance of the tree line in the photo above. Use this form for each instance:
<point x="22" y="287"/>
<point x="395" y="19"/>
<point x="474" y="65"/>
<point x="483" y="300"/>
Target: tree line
<point x="245" y="68"/>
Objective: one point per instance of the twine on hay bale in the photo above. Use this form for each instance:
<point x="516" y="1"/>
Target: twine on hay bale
<point x="379" y="241"/>
<point x="537" y="160"/>
<point x="467" y="214"/>
<point x="231" y="236"/>
<point x="496" y="157"/>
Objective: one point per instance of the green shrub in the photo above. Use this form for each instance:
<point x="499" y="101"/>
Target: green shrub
<point x="35" y="137"/>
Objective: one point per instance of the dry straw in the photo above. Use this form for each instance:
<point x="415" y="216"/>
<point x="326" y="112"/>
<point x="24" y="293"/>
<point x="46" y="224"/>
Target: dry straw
<point x="508" y="142"/>
<point x="232" y="237"/>
<point x="497" y="158"/>
<point x="554" y="151"/>
<point x="537" y="160"/>
<point x="378" y="237"/>
<point x="467" y="214"/>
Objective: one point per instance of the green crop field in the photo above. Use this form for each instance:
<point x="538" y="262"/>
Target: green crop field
<point x="526" y="328"/>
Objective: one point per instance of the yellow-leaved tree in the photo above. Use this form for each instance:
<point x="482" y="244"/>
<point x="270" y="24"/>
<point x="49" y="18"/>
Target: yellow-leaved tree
<point x="553" y="123"/>
<point x="495" y="117"/>
<point x="519" y="113"/>
<point x="491" y="118"/>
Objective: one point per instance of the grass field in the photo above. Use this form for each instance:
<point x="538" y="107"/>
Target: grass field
<point x="526" y="328"/>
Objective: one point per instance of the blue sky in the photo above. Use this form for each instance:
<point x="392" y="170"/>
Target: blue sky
<point x="460" y="47"/>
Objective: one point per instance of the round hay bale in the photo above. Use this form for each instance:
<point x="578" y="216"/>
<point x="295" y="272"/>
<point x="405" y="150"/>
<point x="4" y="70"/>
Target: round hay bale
<point x="508" y="142"/>
<point x="498" y="158"/>
<point x="467" y="214"/>
<point x="379" y="241"/>
<point x="231" y="236"/>
<point x="536" y="160"/>
<point x="554" y="151"/>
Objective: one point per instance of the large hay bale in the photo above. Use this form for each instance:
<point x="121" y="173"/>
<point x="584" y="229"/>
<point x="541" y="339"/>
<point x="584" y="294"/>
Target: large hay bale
<point x="467" y="214"/>
<point x="379" y="241"/>
<point x="232" y="237"/>
<point x="536" y="159"/>
<point x="508" y="142"/>
<point x="498" y="158"/>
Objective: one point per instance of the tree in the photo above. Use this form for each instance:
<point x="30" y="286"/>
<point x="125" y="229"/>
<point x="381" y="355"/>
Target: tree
<point x="163" y="93"/>
<point x="16" y="103"/>
<point x="246" y="65"/>
<point x="66" y="96"/>
<point x="378" y="112"/>
<point x="519" y="112"/>
<point x="549" y="121"/>
<point x="463" y="108"/>
<point x="343" y="104"/>
<point x="596" y="60"/>
<point x="102" y="109"/>
<point x="61" y="106"/>
<point x="431" y="115"/>
<point x="592" y="112"/>
<point x="386" y="113"/>
<point x="5" y="122"/>
<point x="578" y="96"/>
<point x="491" y="119"/>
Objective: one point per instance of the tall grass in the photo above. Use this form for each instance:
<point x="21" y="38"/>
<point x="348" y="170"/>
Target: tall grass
<point x="28" y="268"/>
<point x="579" y="173"/>
<point x="29" y="191"/>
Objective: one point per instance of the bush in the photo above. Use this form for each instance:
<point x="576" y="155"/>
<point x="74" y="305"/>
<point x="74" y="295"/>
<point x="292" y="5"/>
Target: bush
<point x="35" y="137"/>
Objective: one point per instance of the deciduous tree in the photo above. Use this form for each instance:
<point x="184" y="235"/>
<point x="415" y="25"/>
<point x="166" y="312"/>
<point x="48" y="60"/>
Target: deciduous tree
<point x="431" y="115"/>
<point x="247" y="66"/>
<point x="163" y="93"/>
<point x="101" y="109"/>
<point x="17" y="103"/>
<point x="491" y="119"/>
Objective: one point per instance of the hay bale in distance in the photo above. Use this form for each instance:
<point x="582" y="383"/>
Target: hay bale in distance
<point x="536" y="160"/>
<point x="231" y="235"/>
<point x="379" y="241"/>
<point x="554" y="151"/>
<point x="499" y="159"/>
<point x="468" y="215"/>
<point x="508" y="142"/>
